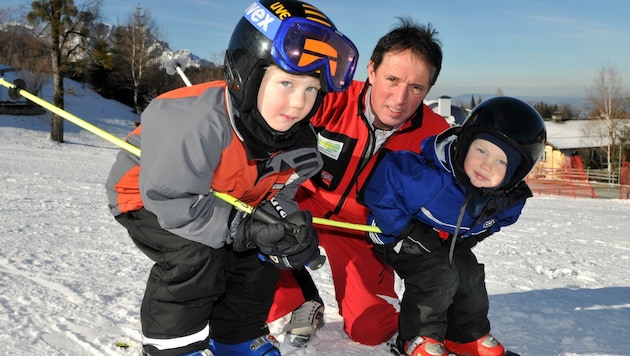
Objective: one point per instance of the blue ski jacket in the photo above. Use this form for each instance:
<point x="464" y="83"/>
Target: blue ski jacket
<point x="408" y="185"/>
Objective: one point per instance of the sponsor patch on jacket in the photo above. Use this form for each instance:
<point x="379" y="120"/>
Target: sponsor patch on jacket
<point x="488" y="223"/>
<point x="329" y="148"/>
<point x="326" y="177"/>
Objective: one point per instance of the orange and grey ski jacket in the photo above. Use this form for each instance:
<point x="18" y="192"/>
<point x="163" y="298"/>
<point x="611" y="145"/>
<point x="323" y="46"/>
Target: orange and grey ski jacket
<point x="190" y="148"/>
<point x="346" y="143"/>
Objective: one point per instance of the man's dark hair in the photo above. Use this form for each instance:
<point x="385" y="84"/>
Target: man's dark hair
<point x="420" y="39"/>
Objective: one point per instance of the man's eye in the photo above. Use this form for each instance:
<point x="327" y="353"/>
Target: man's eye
<point x="417" y="89"/>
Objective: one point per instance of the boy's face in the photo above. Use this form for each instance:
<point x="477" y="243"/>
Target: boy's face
<point x="284" y="99"/>
<point x="485" y="164"/>
<point x="399" y="85"/>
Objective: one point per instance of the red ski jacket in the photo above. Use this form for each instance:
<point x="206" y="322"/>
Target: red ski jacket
<point x="346" y="142"/>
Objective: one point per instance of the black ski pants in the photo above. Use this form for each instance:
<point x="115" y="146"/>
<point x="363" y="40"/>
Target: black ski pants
<point x="191" y="286"/>
<point x="441" y="301"/>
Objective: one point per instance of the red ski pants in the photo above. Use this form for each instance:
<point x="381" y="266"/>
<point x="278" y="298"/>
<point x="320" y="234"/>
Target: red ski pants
<point x="364" y="285"/>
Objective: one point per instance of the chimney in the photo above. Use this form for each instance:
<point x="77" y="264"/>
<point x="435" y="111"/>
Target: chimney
<point x="444" y="106"/>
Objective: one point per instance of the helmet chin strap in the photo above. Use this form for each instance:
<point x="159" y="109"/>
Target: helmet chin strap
<point x="460" y="217"/>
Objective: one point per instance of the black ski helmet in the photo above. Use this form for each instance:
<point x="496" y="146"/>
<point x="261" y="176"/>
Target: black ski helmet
<point x="511" y="120"/>
<point x="292" y="34"/>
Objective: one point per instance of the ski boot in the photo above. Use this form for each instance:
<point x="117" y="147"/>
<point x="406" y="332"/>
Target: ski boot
<point x="419" y="346"/>
<point x="265" y="345"/>
<point x="484" y="346"/>
<point x="304" y="321"/>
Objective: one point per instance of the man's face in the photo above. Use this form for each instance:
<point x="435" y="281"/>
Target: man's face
<point x="399" y="85"/>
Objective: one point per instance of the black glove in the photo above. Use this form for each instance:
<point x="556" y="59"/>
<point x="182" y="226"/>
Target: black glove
<point x="308" y="256"/>
<point x="298" y="246"/>
<point x="250" y="231"/>
<point x="287" y="245"/>
<point x="419" y="238"/>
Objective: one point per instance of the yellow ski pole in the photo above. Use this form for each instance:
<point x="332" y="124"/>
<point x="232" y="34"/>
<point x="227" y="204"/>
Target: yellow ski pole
<point x="73" y="119"/>
<point x="246" y="208"/>
<point x="240" y="205"/>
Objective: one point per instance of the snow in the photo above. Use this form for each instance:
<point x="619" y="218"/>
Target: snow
<point x="72" y="281"/>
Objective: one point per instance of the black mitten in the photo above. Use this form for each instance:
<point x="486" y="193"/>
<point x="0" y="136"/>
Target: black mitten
<point x="419" y="239"/>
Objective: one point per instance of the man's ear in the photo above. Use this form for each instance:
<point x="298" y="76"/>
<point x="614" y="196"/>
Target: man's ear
<point x="371" y="71"/>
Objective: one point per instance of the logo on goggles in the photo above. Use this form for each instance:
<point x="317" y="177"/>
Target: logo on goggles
<point x="315" y="50"/>
<point x="306" y="45"/>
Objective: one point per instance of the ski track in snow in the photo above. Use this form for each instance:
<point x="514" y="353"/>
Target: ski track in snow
<point x="71" y="280"/>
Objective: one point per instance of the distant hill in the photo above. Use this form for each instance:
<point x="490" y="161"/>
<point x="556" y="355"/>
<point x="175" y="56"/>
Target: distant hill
<point x="552" y="100"/>
<point x="577" y="102"/>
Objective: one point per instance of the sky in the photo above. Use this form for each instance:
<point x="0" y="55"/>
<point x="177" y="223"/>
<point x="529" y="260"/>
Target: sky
<point x="71" y="280"/>
<point x="521" y="47"/>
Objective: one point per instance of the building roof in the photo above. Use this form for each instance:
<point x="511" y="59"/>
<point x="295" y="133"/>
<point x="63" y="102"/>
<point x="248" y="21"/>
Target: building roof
<point x="573" y="134"/>
<point x="563" y="135"/>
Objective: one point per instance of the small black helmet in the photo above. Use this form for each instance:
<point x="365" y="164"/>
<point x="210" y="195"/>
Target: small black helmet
<point x="292" y="34"/>
<point x="514" y="122"/>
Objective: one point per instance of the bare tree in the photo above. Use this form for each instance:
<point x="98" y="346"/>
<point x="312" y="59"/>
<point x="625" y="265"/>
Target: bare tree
<point x="609" y="104"/>
<point x="68" y="26"/>
<point x="35" y="80"/>
<point x="134" y="41"/>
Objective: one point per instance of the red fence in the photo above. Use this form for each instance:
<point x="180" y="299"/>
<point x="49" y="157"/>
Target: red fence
<point x="574" y="181"/>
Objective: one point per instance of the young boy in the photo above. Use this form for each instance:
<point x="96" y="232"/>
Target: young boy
<point x="433" y="207"/>
<point x="250" y="137"/>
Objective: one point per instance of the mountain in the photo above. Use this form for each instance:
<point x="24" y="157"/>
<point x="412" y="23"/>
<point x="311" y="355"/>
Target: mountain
<point x="160" y="49"/>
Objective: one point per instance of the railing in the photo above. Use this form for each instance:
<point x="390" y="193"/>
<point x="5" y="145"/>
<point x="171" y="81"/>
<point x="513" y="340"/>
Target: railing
<point x="577" y="183"/>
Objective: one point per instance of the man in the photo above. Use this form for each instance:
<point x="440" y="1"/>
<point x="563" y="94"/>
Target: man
<point x="355" y="129"/>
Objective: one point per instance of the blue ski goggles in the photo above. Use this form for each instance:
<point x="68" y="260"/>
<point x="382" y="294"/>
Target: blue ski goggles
<point x="300" y="45"/>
